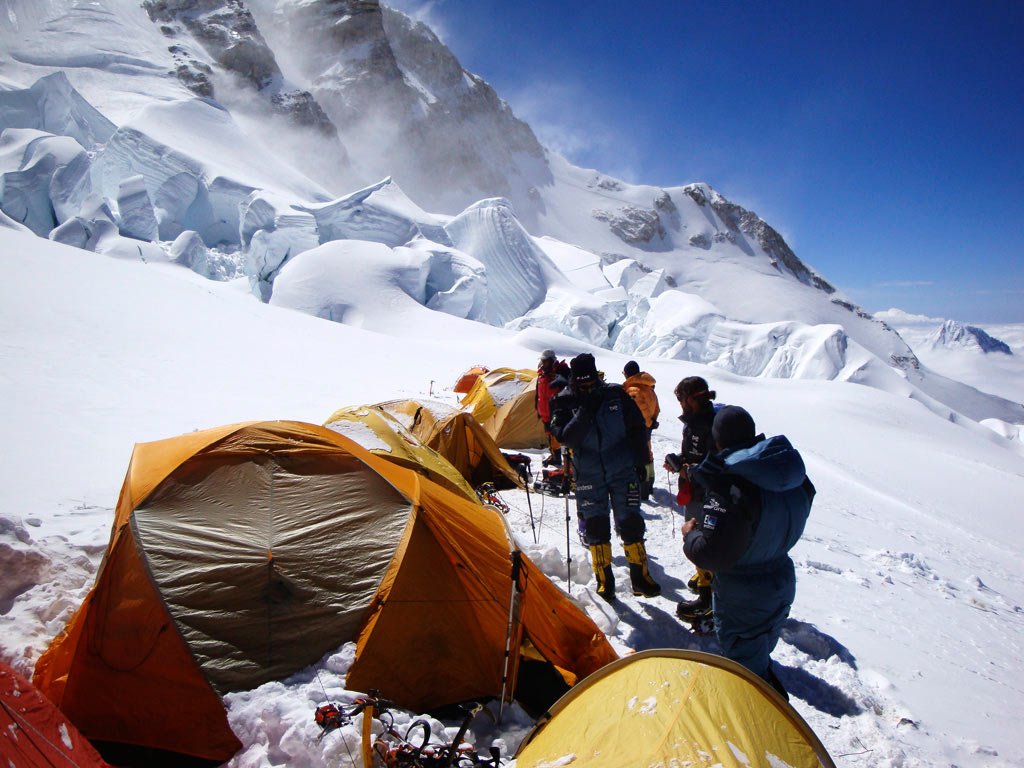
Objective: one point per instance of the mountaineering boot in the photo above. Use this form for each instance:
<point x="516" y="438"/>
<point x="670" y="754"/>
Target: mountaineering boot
<point x="699" y="580"/>
<point x="643" y="584"/>
<point x="688" y="610"/>
<point x="601" y="558"/>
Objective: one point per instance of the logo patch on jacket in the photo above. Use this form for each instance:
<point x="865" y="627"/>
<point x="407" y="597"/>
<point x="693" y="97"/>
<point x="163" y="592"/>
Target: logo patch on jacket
<point x="710" y="521"/>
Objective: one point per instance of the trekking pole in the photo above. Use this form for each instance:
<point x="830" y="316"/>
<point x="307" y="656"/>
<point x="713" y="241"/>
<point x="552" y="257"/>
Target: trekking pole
<point x="517" y="564"/>
<point x="529" y="506"/>
<point x="672" y="504"/>
<point x="568" y="555"/>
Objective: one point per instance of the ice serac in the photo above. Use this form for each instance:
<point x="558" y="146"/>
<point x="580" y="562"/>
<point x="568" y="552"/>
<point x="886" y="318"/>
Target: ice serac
<point x="272" y="231"/>
<point x="454" y="282"/>
<point x="187" y="192"/>
<point x="334" y="280"/>
<point x="137" y="219"/>
<point x="43" y="178"/>
<point x="684" y="326"/>
<point x="52" y="105"/>
<point x="380" y="213"/>
<point x="954" y="335"/>
<point x="490" y="233"/>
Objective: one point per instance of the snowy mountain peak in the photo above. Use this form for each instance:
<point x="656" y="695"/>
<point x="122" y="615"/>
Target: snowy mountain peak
<point x="952" y="334"/>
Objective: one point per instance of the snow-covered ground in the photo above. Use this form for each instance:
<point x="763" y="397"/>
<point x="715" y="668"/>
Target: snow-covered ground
<point x="228" y="267"/>
<point x="904" y="647"/>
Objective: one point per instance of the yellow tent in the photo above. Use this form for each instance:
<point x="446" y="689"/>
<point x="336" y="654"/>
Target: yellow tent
<point x="672" y="707"/>
<point x="242" y="554"/>
<point x="504" y="402"/>
<point x="459" y="438"/>
<point x="380" y="433"/>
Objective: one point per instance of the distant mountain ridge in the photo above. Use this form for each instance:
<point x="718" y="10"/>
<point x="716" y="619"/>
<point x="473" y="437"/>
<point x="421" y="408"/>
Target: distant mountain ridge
<point x="239" y="131"/>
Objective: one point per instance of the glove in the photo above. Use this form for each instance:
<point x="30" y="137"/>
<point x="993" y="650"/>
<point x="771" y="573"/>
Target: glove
<point x="685" y="494"/>
<point x="655" y="424"/>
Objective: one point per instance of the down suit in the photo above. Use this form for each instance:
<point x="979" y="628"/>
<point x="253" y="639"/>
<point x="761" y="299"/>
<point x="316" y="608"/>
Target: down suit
<point x="756" y="503"/>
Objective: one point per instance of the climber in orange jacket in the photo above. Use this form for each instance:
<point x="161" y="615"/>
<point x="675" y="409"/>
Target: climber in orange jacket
<point x="640" y="386"/>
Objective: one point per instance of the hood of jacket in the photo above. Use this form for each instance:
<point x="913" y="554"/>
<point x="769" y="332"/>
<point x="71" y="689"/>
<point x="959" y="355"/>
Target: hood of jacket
<point x="773" y="464"/>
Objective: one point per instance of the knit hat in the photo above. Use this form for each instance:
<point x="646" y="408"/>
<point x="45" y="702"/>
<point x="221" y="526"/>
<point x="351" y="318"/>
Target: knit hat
<point x="584" y="369"/>
<point x="547" y="354"/>
<point x="632" y="369"/>
<point x="733" y="428"/>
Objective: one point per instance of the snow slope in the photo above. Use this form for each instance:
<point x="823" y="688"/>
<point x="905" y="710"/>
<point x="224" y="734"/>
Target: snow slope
<point x="904" y="644"/>
<point x="298" y="267"/>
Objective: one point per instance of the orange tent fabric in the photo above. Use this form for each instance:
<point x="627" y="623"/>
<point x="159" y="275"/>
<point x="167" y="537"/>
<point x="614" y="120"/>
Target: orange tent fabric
<point x="33" y="732"/>
<point x="244" y="553"/>
<point x="468" y="379"/>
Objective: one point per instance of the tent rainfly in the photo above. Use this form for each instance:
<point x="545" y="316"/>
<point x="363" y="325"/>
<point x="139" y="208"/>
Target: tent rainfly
<point x="468" y="379"/>
<point x="504" y="402"/>
<point x="33" y="732"/>
<point x="384" y="435"/>
<point x="672" y="707"/>
<point x="459" y="438"/>
<point x="243" y="554"/>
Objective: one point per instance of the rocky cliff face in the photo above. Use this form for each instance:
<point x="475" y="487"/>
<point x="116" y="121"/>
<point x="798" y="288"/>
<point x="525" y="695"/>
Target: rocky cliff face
<point x="739" y="219"/>
<point x="227" y="32"/>
<point x="406" y="108"/>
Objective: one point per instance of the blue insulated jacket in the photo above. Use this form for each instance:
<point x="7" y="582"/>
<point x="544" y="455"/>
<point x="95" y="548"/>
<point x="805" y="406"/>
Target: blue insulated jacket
<point x="605" y="430"/>
<point x="756" y="506"/>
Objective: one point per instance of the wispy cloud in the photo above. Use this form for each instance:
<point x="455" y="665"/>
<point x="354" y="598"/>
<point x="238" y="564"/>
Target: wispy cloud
<point x="905" y="284"/>
<point x="998" y="292"/>
<point x="572" y="122"/>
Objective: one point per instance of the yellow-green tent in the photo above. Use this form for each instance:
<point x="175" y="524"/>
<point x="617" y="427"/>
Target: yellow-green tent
<point x="504" y="402"/>
<point x="459" y="438"/>
<point x="672" y="708"/>
<point x="380" y="433"/>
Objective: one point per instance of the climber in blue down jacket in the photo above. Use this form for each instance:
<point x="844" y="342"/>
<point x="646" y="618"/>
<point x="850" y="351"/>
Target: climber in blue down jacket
<point x="757" y="499"/>
<point x="607" y="436"/>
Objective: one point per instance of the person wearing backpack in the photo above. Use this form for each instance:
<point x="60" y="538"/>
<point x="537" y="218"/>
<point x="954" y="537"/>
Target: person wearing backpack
<point x="756" y="501"/>
<point x="607" y="436"/>
<point x="552" y="376"/>
<point x="640" y="386"/>
<point x="697" y="402"/>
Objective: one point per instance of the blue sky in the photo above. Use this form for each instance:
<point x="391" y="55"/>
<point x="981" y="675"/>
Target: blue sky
<point x="884" y="140"/>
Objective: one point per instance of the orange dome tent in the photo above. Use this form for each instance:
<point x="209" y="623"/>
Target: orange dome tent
<point x="242" y="554"/>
